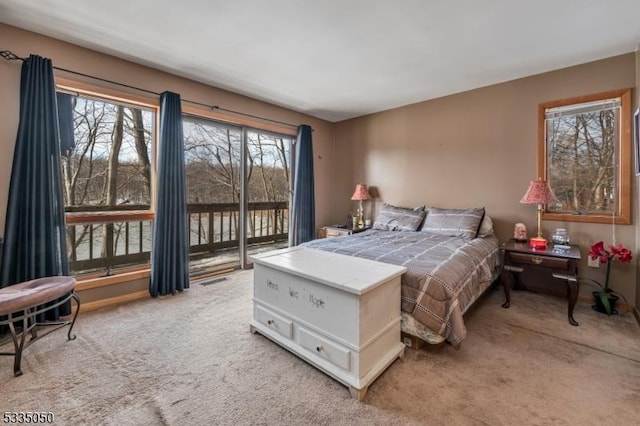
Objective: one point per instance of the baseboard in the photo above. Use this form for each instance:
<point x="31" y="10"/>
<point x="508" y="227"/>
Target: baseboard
<point x="103" y="303"/>
<point x="196" y="278"/>
<point x="87" y="283"/>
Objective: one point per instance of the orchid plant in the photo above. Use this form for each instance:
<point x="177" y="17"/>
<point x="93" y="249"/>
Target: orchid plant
<point x="597" y="251"/>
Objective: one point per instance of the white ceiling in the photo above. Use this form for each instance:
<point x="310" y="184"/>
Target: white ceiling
<point x="337" y="59"/>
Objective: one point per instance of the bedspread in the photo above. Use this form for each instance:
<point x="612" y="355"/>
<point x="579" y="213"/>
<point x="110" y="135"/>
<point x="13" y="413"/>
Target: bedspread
<point x="445" y="275"/>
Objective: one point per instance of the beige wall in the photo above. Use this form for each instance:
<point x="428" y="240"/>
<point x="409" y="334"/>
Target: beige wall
<point x="476" y="148"/>
<point x="86" y="61"/>
<point x="636" y="189"/>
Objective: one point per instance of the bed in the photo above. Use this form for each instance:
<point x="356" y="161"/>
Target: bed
<point x="448" y="268"/>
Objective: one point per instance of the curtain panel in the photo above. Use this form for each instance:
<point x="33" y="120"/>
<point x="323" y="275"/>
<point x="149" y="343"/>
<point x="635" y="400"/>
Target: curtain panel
<point x="170" y="250"/>
<point x="65" y="104"/>
<point x="303" y="207"/>
<point x="34" y="234"/>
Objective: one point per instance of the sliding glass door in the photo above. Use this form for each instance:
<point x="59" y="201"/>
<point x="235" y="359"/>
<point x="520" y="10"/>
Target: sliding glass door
<point x="238" y="182"/>
<point x="213" y="154"/>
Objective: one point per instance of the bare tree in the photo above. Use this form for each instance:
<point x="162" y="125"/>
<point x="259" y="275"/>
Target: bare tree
<point x="581" y="154"/>
<point x="110" y="189"/>
<point x="140" y="137"/>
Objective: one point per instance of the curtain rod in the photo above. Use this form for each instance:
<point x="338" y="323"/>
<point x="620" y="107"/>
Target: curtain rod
<point x="10" y="56"/>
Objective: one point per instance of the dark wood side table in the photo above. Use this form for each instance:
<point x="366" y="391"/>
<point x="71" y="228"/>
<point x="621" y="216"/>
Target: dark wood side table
<point x="560" y="263"/>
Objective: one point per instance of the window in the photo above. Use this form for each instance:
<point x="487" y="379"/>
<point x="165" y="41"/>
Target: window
<point x="584" y="154"/>
<point x="107" y="184"/>
<point x="108" y="179"/>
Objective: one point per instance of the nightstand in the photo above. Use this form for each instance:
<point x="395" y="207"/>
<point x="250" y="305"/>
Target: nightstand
<point x="333" y="231"/>
<point x="557" y="265"/>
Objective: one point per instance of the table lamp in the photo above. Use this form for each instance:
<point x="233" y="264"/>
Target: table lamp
<point x="539" y="193"/>
<point x="361" y="193"/>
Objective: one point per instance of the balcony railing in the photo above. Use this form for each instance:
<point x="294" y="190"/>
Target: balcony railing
<point x="104" y="244"/>
<point x="215" y="226"/>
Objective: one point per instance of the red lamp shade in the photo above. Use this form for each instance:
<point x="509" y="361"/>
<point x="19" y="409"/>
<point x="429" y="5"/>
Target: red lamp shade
<point x="539" y="192"/>
<point x="361" y="192"/>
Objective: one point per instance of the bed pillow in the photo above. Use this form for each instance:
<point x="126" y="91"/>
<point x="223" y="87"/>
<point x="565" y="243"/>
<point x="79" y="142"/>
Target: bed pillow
<point x="486" y="227"/>
<point x="454" y="222"/>
<point x="392" y="218"/>
<point x="415" y="209"/>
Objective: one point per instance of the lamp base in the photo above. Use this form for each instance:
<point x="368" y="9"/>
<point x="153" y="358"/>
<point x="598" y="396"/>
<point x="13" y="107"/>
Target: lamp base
<point x="538" y="243"/>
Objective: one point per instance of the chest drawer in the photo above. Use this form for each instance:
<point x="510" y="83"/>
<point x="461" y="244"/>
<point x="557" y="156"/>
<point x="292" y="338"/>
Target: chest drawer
<point x="274" y="321"/>
<point x="525" y="259"/>
<point x="325" y="348"/>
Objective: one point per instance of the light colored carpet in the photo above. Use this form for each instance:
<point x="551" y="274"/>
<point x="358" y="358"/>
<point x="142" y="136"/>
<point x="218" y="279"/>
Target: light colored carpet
<point x="190" y="359"/>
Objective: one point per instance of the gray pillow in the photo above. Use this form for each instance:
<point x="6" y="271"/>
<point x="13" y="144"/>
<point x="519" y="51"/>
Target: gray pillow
<point x="486" y="227"/>
<point x="454" y="222"/>
<point x="392" y="218"/>
<point x="415" y="209"/>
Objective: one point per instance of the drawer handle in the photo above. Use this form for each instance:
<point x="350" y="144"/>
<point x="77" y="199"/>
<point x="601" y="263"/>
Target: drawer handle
<point x="270" y="322"/>
<point x="318" y="348"/>
<point x="536" y="260"/>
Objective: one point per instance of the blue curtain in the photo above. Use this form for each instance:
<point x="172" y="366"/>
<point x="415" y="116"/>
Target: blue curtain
<point x="303" y="209"/>
<point x="65" y="121"/>
<point x="34" y="234"/>
<point x="170" y="252"/>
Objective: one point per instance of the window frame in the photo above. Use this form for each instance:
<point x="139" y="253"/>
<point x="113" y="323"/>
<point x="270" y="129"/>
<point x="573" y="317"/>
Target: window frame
<point x="101" y="93"/>
<point x="124" y="213"/>
<point x="623" y="214"/>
